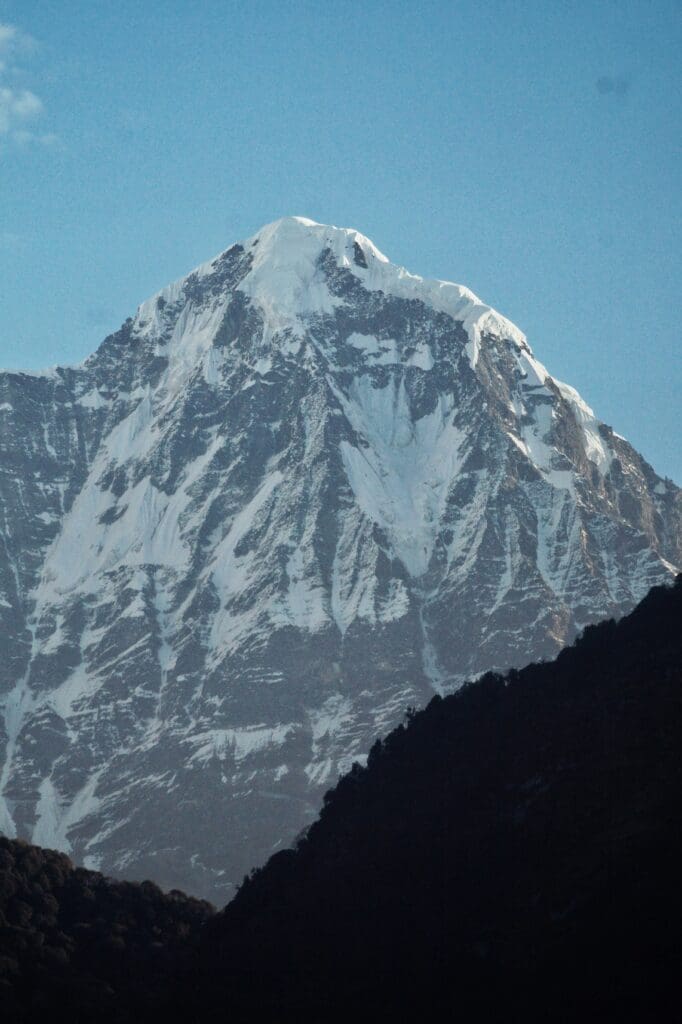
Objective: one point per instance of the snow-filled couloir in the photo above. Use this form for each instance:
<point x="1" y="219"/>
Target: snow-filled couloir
<point x="299" y="491"/>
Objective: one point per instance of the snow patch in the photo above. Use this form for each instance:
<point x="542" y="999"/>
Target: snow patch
<point x="56" y="816"/>
<point x="238" y="744"/>
<point x="402" y="469"/>
<point x="93" y="400"/>
<point x="306" y="597"/>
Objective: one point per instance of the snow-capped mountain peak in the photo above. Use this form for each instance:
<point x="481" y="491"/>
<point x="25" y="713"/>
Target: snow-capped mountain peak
<point x="300" y="490"/>
<point x="285" y="280"/>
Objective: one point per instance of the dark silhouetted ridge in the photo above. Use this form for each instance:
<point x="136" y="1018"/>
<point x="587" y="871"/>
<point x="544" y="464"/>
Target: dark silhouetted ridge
<point x="80" y="947"/>
<point x="513" y="852"/>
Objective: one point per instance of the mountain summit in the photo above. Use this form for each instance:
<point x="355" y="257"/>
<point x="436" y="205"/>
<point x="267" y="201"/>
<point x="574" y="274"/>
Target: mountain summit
<point x="299" y="491"/>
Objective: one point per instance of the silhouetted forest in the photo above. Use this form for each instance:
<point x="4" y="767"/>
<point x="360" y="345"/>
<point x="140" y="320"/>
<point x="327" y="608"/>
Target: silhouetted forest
<point x="80" y="947"/>
<point x="511" y="853"/>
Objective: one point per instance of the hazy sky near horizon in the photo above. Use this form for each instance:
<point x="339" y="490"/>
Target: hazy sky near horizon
<point x="531" y="151"/>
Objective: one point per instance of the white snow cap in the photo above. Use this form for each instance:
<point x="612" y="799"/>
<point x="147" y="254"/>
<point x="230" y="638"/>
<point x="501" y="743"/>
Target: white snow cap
<point x="285" y="279"/>
<point x="294" y="231"/>
<point x="286" y="282"/>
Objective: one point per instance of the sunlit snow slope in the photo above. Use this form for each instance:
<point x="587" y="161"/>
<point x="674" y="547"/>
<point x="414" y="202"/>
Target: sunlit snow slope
<point x="299" y="491"/>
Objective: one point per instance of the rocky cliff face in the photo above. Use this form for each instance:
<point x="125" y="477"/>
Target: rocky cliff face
<point x="299" y="491"/>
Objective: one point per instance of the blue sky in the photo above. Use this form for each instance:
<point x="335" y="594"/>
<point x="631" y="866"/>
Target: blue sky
<point x="531" y="151"/>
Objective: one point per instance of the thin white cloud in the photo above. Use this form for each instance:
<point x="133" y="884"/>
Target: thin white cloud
<point x="16" y="107"/>
<point x="8" y="34"/>
<point x="20" y="108"/>
<point x="25" y="138"/>
<point x="14" y="41"/>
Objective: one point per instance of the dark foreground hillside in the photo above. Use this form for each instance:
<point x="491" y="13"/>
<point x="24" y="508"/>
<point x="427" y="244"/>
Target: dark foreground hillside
<point x="80" y="947"/>
<point x="514" y="853"/>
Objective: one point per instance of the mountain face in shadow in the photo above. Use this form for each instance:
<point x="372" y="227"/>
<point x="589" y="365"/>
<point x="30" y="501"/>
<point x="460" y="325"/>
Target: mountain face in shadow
<point x="514" y="851"/>
<point x="511" y="853"/>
